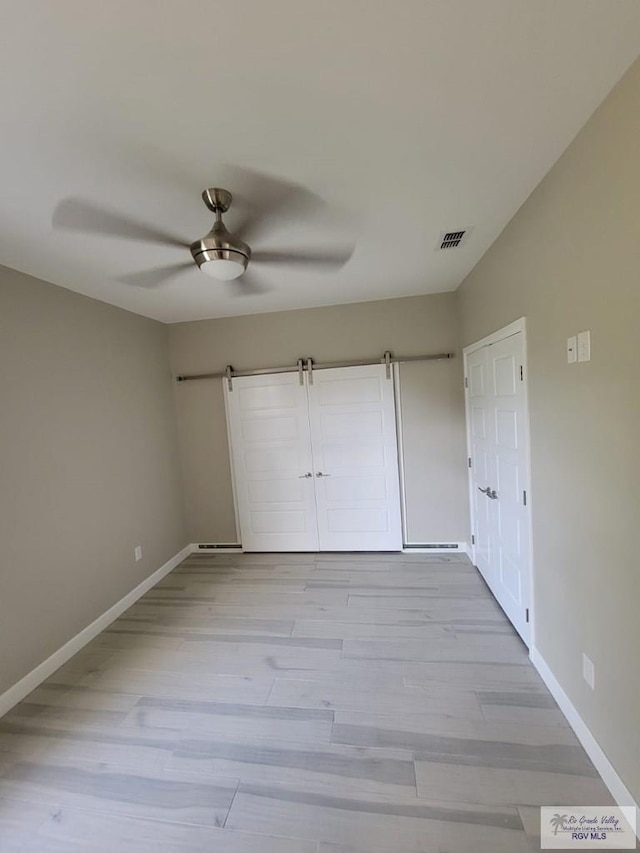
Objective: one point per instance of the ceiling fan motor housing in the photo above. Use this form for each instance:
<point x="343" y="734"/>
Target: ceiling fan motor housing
<point x="219" y="245"/>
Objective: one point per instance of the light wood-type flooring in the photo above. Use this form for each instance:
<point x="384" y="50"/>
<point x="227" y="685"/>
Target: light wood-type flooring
<point x="294" y="703"/>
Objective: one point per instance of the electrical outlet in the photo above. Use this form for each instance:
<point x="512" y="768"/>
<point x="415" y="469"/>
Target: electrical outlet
<point x="584" y="346"/>
<point x="137" y="552"/>
<point x="588" y="671"/>
<point x="572" y="350"/>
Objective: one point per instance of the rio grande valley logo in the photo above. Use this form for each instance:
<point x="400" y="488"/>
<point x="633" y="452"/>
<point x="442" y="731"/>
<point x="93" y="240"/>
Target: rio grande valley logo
<point x="588" y="827"/>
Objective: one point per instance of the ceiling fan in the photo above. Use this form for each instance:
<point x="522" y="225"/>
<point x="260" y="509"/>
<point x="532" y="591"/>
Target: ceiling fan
<point x="220" y="254"/>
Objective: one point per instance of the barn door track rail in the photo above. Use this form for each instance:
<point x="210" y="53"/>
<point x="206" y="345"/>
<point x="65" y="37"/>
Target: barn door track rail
<point x="309" y="365"/>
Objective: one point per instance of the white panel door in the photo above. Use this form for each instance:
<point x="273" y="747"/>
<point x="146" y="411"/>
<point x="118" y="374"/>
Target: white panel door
<point x="479" y="402"/>
<point x="497" y="434"/>
<point x="272" y="462"/>
<point x="355" y="457"/>
<point x="510" y="559"/>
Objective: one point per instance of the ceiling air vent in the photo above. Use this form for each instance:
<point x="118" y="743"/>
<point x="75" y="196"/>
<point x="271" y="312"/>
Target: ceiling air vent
<point x="453" y="239"/>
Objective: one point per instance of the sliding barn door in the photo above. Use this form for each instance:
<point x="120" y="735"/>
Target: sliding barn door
<point x="316" y="465"/>
<point x="272" y="463"/>
<point x="355" y="458"/>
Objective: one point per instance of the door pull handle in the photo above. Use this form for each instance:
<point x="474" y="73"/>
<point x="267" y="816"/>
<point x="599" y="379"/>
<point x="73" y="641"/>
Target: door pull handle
<point x="320" y="474"/>
<point x="485" y="491"/>
<point x="305" y="476"/>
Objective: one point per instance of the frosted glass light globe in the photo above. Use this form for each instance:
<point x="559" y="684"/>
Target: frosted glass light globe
<point x="222" y="269"/>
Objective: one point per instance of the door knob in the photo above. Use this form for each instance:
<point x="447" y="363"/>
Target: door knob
<point x="305" y="476"/>
<point x="320" y="474"/>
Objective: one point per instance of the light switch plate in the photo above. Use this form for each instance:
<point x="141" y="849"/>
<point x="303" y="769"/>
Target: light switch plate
<point x="137" y="552"/>
<point x="572" y="350"/>
<point x="584" y="346"/>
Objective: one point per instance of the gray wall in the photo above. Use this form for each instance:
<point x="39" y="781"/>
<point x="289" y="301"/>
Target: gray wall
<point x="432" y="400"/>
<point x="570" y="260"/>
<point x="88" y="464"/>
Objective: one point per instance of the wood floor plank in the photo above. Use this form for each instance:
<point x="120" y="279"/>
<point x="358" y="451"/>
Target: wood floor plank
<point x="492" y="784"/>
<point x="406" y="731"/>
<point x="370" y="823"/>
<point x="167" y="795"/>
<point x="192" y="626"/>
<point x="69" y="830"/>
<point x="501" y="649"/>
<point x="81" y="698"/>
<point x="19" y="821"/>
<point x="483" y="675"/>
<point x="366" y="630"/>
<point x="345" y="696"/>
<point x="179" y="685"/>
<point x="147" y="750"/>
<point x="231" y="720"/>
<point x="322" y="768"/>
<point x="233" y="660"/>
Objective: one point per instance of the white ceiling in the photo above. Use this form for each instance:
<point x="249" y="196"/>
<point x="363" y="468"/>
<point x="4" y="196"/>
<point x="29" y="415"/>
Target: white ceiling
<point x="409" y="118"/>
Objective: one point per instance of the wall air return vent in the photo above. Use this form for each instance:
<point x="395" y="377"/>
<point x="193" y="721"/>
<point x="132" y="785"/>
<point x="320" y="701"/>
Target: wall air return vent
<point x="453" y="239"/>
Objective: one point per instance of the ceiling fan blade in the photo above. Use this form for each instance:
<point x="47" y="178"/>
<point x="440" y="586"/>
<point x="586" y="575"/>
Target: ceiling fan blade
<point x="76" y="214"/>
<point x="158" y="276"/>
<point x="248" y="285"/>
<point x="262" y="203"/>
<point x="318" y="259"/>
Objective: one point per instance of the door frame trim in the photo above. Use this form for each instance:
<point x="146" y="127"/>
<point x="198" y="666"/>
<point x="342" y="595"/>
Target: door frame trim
<point x="519" y="325"/>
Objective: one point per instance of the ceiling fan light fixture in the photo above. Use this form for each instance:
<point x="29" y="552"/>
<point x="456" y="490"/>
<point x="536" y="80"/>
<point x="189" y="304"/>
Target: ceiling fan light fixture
<point x="219" y="254"/>
<point x="226" y="268"/>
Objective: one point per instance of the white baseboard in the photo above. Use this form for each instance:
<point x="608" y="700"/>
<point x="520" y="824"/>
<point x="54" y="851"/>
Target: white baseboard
<point x="34" y="678"/>
<point x="462" y="548"/>
<point x="236" y="548"/>
<point x="605" y="768"/>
